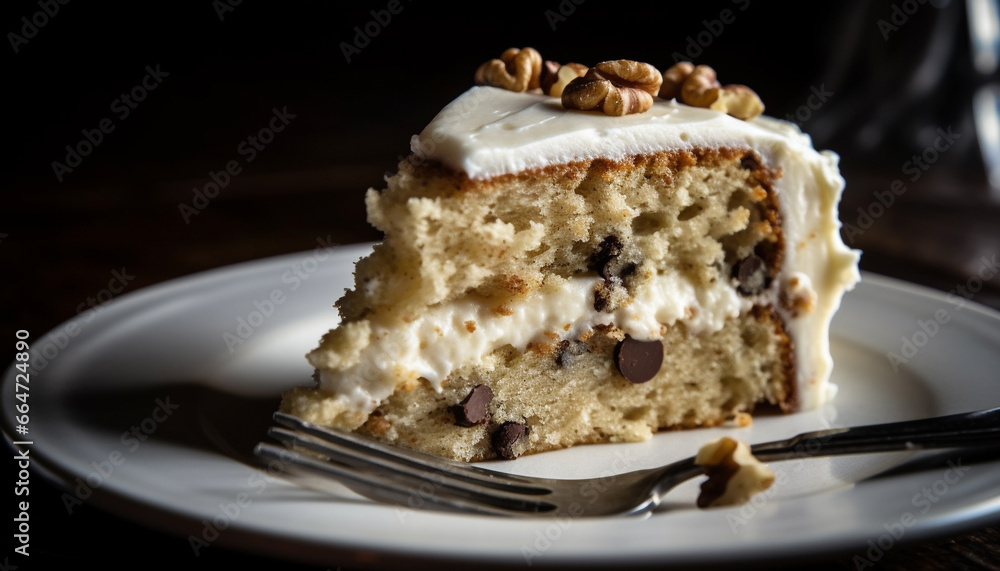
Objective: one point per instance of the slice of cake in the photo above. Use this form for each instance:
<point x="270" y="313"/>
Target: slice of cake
<point x="629" y="257"/>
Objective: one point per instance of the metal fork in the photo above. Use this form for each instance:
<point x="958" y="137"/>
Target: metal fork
<point x="405" y="477"/>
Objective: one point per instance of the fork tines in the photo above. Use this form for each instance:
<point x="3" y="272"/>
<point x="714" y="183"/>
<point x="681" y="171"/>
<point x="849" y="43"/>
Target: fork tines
<point x="395" y="474"/>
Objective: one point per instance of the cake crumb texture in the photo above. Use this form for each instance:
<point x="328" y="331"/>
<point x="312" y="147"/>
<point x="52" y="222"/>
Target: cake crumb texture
<point x="698" y="211"/>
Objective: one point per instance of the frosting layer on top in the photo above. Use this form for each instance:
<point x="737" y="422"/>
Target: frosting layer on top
<point x="489" y="131"/>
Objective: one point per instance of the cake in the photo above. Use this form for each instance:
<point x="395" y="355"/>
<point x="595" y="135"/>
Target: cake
<point x="577" y="255"/>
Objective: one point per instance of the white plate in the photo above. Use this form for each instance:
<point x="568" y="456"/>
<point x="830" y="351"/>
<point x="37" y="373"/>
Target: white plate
<point x="193" y="475"/>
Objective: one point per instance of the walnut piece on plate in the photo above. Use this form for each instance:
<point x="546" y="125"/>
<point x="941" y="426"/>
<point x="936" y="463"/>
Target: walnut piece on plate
<point x="734" y="474"/>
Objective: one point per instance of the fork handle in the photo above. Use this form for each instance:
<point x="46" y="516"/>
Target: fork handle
<point x="980" y="428"/>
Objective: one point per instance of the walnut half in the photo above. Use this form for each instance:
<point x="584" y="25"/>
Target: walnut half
<point x="618" y="87"/>
<point x="516" y="70"/>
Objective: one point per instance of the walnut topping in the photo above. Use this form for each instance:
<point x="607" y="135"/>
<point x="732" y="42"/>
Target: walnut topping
<point x="699" y="87"/>
<point x="739" y="101"/>
<point x="556" y="77"/>
<point x="734" y="475"/>
<point x="516" y="70"/>
<point x="549" y="70"/>
<point x="618" y="87"/>
<point x="674" y="78"/>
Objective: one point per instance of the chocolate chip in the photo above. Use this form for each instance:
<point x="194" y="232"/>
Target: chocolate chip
<point x="628" y="270"/>
<point x="504" y="438"/>
<point x="750" y="162"/>
<point x="609" y="249"/>
<point x="602" y="295"/>
<point x="751" y="273"/>
<point x="568" y="350"/>
<point x="475" y="408"/>
<point x="638" y="361"/>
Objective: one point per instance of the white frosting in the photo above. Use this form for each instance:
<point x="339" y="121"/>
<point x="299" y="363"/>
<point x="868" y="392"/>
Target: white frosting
<point x="489" y="132"/>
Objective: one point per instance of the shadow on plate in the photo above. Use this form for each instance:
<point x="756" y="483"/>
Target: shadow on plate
<point x="201" y="417"/>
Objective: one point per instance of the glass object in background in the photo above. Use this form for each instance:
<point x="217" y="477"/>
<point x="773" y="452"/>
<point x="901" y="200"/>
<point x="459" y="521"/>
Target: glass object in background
<point x="906" y="72"/>
<point x="984" y="31"/>
<point x="915" y="120"/>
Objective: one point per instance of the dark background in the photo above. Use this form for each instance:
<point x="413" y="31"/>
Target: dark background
<point x="890" y="90"/>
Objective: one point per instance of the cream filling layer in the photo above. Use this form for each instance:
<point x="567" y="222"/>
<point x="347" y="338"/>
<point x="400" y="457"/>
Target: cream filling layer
<point x="464" y="331"/>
